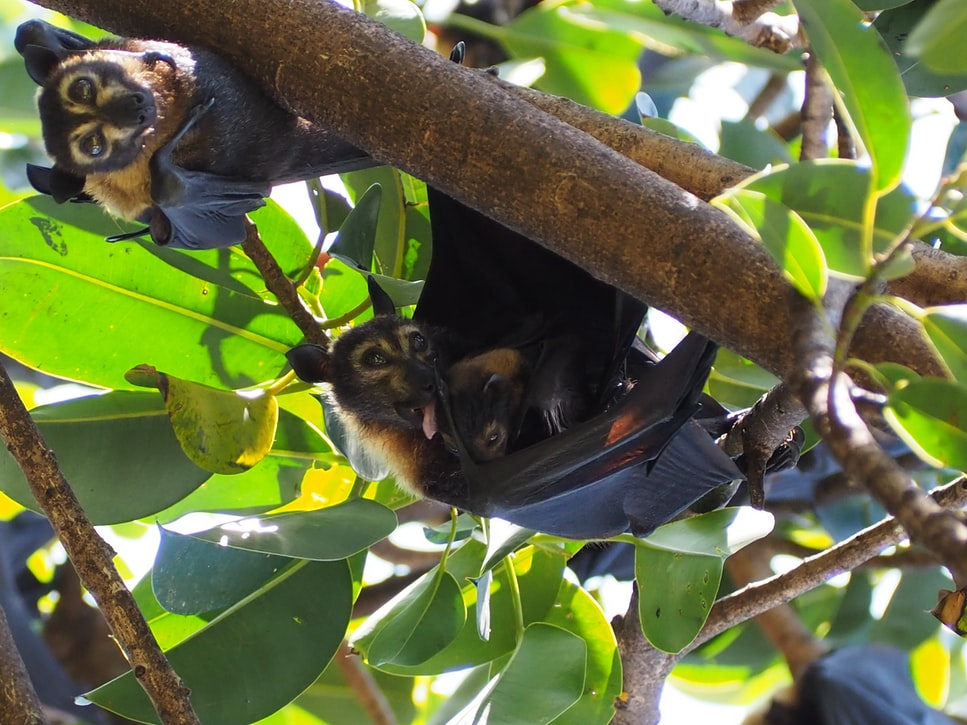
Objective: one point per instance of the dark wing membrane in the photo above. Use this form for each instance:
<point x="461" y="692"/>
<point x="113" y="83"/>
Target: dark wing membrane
<point x="492" y="287"/>
<point x="632" y="467"/>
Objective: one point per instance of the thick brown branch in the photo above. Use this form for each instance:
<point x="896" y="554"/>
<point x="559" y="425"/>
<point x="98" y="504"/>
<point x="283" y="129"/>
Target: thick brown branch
<point x="474" y="140"/>
<point x="645" y="668"/>
<point x="92" y="558"/>
<point x="18" y="700"/>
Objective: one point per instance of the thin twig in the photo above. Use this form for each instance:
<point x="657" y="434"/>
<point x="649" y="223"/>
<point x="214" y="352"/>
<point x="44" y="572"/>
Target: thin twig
<point x="92" y="558"/>
<point x="817" y="112"/>
<point x="816" y="570"/>
<point x="363" y="685"/>
<point x="280" y="285"/>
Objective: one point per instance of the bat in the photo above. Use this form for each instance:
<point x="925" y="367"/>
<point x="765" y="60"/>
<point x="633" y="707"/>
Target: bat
<point x="856" y="685"/>
<point x="625" y="460"/>
<point x="172" y="136"/>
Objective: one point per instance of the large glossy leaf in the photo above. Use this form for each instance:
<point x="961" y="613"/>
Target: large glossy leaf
<point x="830" y="196"/>
<point x="938" y="39"/>
<point x="679" y="567"/>
<point x="576" y="611"/>
<point x="931" y="417"/>
<point x="326" y="534"/>
<point x="738" y="382"/>
<point x="63" y="285"/>
<point x="538" y="573"/>
<point x="295" y="623"/>
<point x="544" y="678"/>
<point x="223" y="431"/>
<point x="895" y="26"/>
<point x="299" y="450"/>
<point x="784" y="234"/>
<point x="402" y="16"/>
<point x="416" y="624"/>
<point x="863" y="71"/>
<point x="191" y="576"/>
<point x="580" y="49"/>
<point x="118" y="454"/>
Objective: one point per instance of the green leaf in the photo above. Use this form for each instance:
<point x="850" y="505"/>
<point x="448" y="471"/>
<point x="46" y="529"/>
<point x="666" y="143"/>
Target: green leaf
<point x="298" y="448"/>
<point x="738" y="382"/>
<point x="539" y="573"/>
<point x="863" y="71"/>
<point x="326" y="534"/>
<point x="938" y="37"/>
<point x="117" y="452"/>
<point x="906" y="623"/>
<point x="18" y="109"/>
<point x="576" y="611"/>
<point x="946" y="326"/>
<point x="222" y="431"/>
<point x="416" y="624"/>
<point x="182" y="576"/>
<point x="746" y="143"/>
<point x="896" y="26"/>
<point x="931" y="417"/>
<point x="357" y="236"/>
<point x="401" y="15"/>
<point x="63" y="284"/>
<point x="867" y="5"/>
<point x="296" y="623"/>
<point x="784" y="234"/>
<point x="580" y="47"/>
<point x="830" y="196"/>
<point x="543" y="678"/>
<point x="679" y="567"/>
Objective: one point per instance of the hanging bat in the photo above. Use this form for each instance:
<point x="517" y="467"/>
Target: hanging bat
<point x="857" y="685"/>
<point x="173" y="136"/>
<point x="627" y="465"/>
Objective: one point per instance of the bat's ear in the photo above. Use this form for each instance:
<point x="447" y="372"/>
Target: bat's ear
<point x="382" y="304"/>
<point x="43" y="46"/>
<point x="458" y="53"/>
<point x="310" y="362"/>
<point x="60" y="184"/>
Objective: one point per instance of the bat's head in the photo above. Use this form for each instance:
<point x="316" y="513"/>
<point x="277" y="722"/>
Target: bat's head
<point x="97" y="110"/>
<point x="486" y="397"/>
<point x="381" y="373"/>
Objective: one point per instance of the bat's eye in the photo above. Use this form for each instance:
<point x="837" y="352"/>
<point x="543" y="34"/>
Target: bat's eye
<point x="418" y="342"/>
<point x="374" y="359"/>
<point x="92" y="145"/>
<point x="81" y="91"/>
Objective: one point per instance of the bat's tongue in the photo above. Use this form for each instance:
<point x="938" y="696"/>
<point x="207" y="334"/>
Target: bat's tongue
<point x="429" y="421"/>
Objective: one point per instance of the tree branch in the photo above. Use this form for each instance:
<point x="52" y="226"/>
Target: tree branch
<point x="281" y="286"/>
<point x="18" y="699"/>
<point x="746" y="19"/>
<point x="525" y="168"/>
<point x="92" y="558"/>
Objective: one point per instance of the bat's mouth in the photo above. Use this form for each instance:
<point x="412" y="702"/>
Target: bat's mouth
<point x="422" y="417"/>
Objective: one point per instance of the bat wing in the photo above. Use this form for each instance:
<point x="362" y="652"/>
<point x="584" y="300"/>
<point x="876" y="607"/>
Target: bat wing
<point x="633" y="467"/>
<point x="865" y="684"/>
